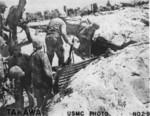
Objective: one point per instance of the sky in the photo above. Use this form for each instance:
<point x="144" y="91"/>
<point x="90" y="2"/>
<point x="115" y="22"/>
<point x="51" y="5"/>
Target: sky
<point x="41" y="5"/>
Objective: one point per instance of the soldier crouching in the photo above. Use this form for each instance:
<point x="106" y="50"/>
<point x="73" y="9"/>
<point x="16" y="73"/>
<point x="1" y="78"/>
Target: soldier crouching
<point x="16" y="75"/>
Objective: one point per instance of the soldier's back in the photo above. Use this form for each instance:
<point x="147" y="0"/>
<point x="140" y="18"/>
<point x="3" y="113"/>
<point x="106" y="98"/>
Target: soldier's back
<point x="36" y="62"/>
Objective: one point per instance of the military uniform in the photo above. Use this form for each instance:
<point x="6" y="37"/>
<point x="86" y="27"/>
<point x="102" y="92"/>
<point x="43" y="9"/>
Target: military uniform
<point x="22" y="60"/>
<point x="2" y="20"/>
<point x="54" y="42"/>
<point x="85" y="36"/>
<point x="41" y="74"/>
<point x="14" y="19"/>
<point x="2" y="74"/>
<point x="2" y="10"/>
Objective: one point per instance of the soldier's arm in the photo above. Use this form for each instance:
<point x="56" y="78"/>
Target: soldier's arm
<point x="6" y="28"/>
<point x="21" y="5"/>
<point x="4" y="25"/>
<point x="64" y="33"/>
<point x="46" y="65"/>
<point x="20" y="8"/>
<point x="83" y="34"/>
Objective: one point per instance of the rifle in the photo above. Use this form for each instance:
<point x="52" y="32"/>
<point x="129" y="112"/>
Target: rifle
<point x="70" y="53"/>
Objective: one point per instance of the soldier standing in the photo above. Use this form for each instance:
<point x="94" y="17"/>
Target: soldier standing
<point x="54" y="42"/>
<point x="2" y="21"/>
<point x="15" y="19"/>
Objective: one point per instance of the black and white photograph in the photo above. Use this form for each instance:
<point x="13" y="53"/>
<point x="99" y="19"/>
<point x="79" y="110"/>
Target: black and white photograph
<point x="74" y="58"/>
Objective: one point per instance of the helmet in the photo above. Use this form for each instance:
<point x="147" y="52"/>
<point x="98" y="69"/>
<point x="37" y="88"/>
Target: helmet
<point x="2" y="4"/>
<point x="16" y="71"/>
<point x="62" y="14"/>
<point x="96" y="26"/>
<point x="54" y="14"/>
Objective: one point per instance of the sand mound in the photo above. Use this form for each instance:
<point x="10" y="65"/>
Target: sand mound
<point x="118" y="84"/>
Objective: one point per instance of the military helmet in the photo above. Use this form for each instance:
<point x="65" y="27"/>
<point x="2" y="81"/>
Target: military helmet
<point x="3" y="4"/>
<point x="16" y="71"/>
<point x="96" y="26"/>
<point x="62" y="14"/>
<point x="54" y="14"/>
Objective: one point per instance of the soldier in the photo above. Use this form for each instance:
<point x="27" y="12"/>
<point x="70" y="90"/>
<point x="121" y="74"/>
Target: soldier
<point x="56" y="30"/>
<point x="22" y="60"/>
<point x="2" y="21"/>
<point x="2" y="75"/>
<point x="17" y="75"/>
<point x="94" y="8"/>
<point x="2" y="26"/>
<point x="15" y="19"/>
<point x="85" y="37"/>
<point x="42" y="79"/>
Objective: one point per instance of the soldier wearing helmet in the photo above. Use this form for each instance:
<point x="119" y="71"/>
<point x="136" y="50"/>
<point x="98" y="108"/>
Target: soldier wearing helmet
<point x="41" y="74"/>
<point x="56" y="31"/>
<point x="23" y="61"/>
<point x="15" y="19"/>
<point x="85" y="36"/>
<point x="17" y="75"/>
<point x="2" y="26"/>
<point x="2" y="6"/>
<point x="2" y="75"/>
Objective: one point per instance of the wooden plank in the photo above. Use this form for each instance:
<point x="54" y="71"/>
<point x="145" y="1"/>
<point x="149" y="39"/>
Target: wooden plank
<point x="64" y="74"/>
